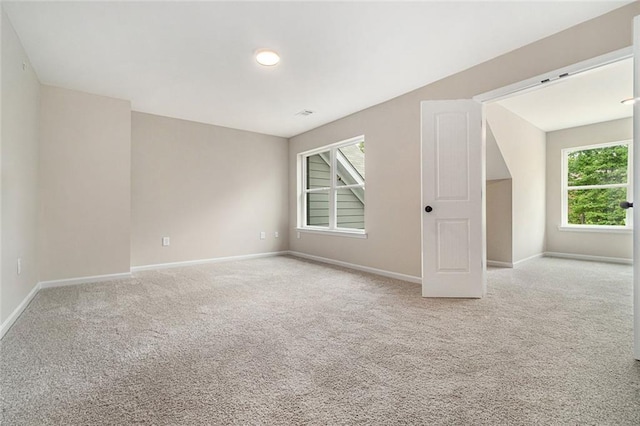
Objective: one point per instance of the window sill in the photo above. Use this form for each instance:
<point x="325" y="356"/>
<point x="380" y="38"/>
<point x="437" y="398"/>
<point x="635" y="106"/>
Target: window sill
<point x="596" y="228"/>
<point x="339" y="233"/>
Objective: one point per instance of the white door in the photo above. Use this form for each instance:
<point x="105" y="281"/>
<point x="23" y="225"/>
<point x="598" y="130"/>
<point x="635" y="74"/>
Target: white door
<point x="636" y="188"/>
<point x="453" y="180"/>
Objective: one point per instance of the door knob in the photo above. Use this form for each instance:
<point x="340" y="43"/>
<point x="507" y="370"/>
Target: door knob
<point x="625" y="204"/>
<point x="428" y="209"/>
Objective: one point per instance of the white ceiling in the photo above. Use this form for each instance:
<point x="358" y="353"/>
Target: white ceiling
<point x="585" y="98"/>
<point x="193" y="60"/>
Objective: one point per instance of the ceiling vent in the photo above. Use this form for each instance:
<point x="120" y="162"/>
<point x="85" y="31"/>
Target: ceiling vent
<point x="305" y="112"/>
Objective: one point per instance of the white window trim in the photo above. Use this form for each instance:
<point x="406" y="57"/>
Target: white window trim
<point x="596" y="228"/>
<point x="565" y="226"/>
<point x="353" y="233"/>
<point x="302" y="191"/>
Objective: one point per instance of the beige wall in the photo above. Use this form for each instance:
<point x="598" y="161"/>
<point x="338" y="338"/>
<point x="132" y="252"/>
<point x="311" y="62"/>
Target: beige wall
<point x="392" y="130"/>
<point x="392" y="210"/>
<point x="211" y="189"/>
<point x="523" y="147"/>
<point x="499" y="221"/>
<point x="618" y="245"/>
<point x="85" y="184"/>
<point x="19" y="148"/>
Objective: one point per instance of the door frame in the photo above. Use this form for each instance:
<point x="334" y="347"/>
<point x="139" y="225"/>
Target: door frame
<point x="553" y="77"/>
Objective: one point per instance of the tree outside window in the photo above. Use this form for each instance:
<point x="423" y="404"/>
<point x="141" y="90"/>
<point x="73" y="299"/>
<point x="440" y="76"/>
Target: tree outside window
<point x="596" y="180"/>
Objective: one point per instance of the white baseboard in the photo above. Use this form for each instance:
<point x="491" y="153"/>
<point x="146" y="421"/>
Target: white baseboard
<point x="388" y="274"/>
<point x="573" y="256"/>
<point x="6" y="325"/>
<point x="526" y="259"/>
<point x="202" y="261"/>
<point x="499" y="264"/>
<point x="514" y="264"/>
<point x="84" y="280"/>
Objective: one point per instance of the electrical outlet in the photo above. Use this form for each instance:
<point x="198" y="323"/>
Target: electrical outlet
<point x="166" y="241"/>
<point x="19" y="267"/>
<point x="298" y="235"/>
<point x="275" y="234"/>
<point x="263" y="235"/>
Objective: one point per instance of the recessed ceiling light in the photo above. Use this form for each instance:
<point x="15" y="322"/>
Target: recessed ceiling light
<point x="267" y="57"/>
<point x="629" y="101"/>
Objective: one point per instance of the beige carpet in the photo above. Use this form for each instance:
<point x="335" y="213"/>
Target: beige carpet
<point x="282" y="341"/>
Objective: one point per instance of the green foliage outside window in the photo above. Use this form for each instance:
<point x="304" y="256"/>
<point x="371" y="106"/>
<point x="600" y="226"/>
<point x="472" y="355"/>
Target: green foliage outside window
<point x="599" y="166"/>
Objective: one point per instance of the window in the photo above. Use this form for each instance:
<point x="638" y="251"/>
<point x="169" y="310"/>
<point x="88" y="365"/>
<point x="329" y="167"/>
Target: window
<point x="595" y="180"/>
<point x="332" y="188"/>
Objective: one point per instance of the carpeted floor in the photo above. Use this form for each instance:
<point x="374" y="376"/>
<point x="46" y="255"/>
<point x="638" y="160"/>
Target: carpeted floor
<point x="281" y="341"/>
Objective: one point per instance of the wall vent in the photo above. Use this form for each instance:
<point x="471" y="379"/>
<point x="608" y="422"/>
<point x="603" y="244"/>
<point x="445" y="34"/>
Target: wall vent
<point x="305" y="112"/>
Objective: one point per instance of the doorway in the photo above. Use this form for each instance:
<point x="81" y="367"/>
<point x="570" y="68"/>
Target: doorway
<point x="584" y="68"/>
<point x="558" y="166"/>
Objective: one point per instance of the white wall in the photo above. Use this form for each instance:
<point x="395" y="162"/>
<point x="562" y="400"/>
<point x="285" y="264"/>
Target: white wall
<point x="85" y="184"/>
<point x="499" y="220"/>
<point x="19" y="148"/>
<point x="392" y="129"/>
<point x="211" y="189"/>
<point x="523" y="147"/>
<point x="617" y="245"/>
<point x="496" y="167"/>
